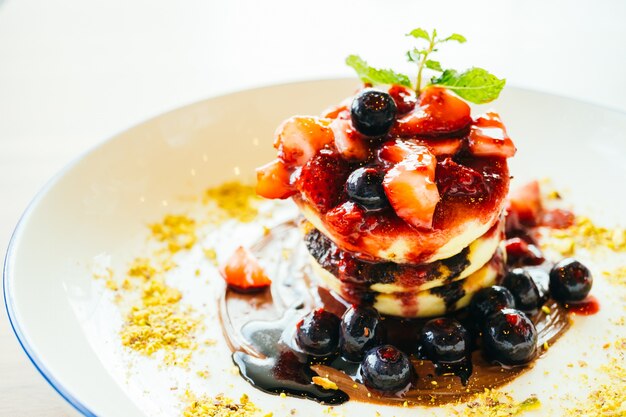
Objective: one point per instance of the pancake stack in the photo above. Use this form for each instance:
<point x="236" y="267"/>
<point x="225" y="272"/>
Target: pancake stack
<point x="408" y="220"/>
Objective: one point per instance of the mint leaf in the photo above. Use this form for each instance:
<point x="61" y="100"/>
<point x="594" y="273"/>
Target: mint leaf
<point x="416" y="54"/>
<point x="373" y="75"/>
<point x="433" y="65"/>
<point x="476" y="84"/>
<point x="455" y="37"/>
<point x="419" y="33"/>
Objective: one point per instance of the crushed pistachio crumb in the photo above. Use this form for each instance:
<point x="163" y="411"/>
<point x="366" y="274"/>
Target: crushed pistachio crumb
<point x="177" y="231"/>
<point x="493" y="403"/>
<point x="159" y="323"/>
<point x="141" y="268"/>
<point x="211" y="255"/>
<point x="324" y="383"/>
<point x="219" y="406"/>
<point x="237" y="200"/>
<point x="585" y="234"/>
<point x="616" y="276"/>
<point x="608" y="398"/>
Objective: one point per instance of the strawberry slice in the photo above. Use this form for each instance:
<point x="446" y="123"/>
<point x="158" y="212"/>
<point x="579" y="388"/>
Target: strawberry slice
<point x="351" y="144"/>
<point x="404" y="97"/>
<point x="346" y="218"/>
<point x="439" y="113"/>
<point x="488" y="137"/>
<point x="410" y="184"/>
<point x="299" y="138"/>
<point x="273" y="180"/>
<point x="440" y="147"/>
<point x="243" y="273"/>
<point x="525" y="204"/>
<point x="322" y="179"/>
<point x="341" y="111"/>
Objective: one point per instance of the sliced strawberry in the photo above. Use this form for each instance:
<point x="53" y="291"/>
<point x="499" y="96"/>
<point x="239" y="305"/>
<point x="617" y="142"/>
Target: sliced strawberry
<point x="350" y="143"/>
<point x="488" y="137"/>
<point x="440" y="147"/>
<point x="395" y="151"/>
<point x="322" y="179"/>
<point x="404" y="97"/>
<point x="243" y="273"/>
<point x="525" y="204"/>
<point x="299" y="138"/>
<point x="456" y="180"/>
<point x="411" y="189"/>
<point x="340" y="111"/>
<point x="439" y="113"/>
<point x="346" y="218"/>
<point x="273" y="180"/>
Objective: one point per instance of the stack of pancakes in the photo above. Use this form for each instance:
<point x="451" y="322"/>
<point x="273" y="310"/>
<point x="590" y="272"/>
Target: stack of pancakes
<point x="405" y="289"/>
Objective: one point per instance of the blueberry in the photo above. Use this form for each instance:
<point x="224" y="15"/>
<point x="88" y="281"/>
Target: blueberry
<point x="387" y="369"/>
<point x="489" y="300"/>
<point x="524" y="290"/>
<point x="361" y="329"/>
<point x="570" y="280"/>
<point x="317" y="334"/>
<point x="365" y="187"/>
<point x="373" y="112"/>
<point x="444" y="340"/>
<point x="509" y="337"/>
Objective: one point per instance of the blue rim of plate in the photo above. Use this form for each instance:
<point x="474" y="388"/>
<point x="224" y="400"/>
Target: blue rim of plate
<point x="6" y="272"/>
<point x="21" y="338"/>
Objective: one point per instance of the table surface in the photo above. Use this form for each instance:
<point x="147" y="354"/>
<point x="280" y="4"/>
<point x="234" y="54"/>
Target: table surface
<point x="75" y="72"/>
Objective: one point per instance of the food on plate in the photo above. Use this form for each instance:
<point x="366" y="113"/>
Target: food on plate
<point x="425" y="282"/>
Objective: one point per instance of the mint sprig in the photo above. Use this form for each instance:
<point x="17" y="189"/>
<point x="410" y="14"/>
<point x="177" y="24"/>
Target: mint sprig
<point x="371" y="75"/>
<point x="475" y="84"/>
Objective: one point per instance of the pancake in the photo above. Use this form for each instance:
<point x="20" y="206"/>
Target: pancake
<point x="426" y="303"/>
<point x="390" y="277"/>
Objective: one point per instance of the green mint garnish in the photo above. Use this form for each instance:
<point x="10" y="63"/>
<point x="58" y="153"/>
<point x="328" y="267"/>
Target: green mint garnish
<point x="476" y="84"/>
<point x="371" y="75"/>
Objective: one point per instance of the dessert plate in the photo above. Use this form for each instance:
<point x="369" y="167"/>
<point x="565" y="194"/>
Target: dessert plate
<point x="93" y="215"/>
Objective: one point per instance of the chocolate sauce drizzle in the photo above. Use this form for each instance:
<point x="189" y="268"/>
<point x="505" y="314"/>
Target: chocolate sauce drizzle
<point x="259" y="329"/>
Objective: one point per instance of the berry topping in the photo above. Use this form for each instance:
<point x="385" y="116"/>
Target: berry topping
<point x="439" y="113"/>
<point x="322" y="179"/>
<point x="410" y="184"/>
<point x="365" y="187"/>
<point x="489" y="300"/>
<point x="444" y="340"/>
<point x="317" y="334"/>
<point x="456" y="180"/>
<point x="299" y="138"/>
<point x="346" y="218"/>
<point x="524" y="290"/>
<point x="525" y="204"/>
<point x="386" y="369"/>
<point x="509" y="337"/>
<point x="351" y="144"/>
<point x="273" y="180"/>
<point x="243" y="273"/>
<point x="373" y="112"/>
<point x="570" y="280"/>
<point x="404" y="98"/>
<point x="520" y="253"/>
<point x="361" y="330"/>
<point x="488" y="137"/>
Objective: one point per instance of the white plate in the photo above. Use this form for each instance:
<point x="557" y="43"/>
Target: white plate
<point x="101" y="204"/>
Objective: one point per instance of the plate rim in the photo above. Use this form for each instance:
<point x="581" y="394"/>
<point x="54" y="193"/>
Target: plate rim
<point x="7" y="273"/>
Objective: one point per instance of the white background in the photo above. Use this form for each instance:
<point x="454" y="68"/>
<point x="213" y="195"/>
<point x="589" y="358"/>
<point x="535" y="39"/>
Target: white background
<point x="74" y="72"/>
